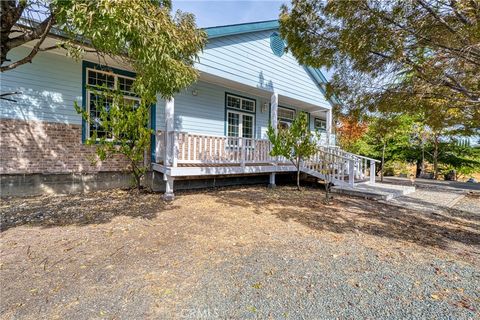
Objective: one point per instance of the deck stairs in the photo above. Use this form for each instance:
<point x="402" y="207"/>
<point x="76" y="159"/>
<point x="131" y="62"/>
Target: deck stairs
<point x="351" y="174"/>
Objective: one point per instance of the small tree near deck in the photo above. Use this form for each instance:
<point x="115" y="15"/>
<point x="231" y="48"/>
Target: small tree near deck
<point x="296" y="143"/>
<point x="327" y="171"/>
<point x="126" y="132"/>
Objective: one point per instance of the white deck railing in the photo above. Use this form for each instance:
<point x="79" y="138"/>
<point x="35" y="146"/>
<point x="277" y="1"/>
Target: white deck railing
<point x="189" y="148"/>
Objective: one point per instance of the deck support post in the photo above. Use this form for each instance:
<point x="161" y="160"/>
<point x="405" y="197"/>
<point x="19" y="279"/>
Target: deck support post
<point x="168" y="195"/>
<point x="372" y="172"/>
<point x="170" y="147"/>
<point x="271" y="183"/>
<point x="351" y="173"/>
<point x="328" y="120"/>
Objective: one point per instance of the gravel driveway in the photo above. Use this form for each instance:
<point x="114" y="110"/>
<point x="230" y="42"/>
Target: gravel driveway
<point x="236" y="253"/>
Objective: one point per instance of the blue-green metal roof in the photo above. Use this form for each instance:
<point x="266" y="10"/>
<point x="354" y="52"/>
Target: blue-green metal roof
<point x="233" y="29"/>
<point x="322" y="81"/>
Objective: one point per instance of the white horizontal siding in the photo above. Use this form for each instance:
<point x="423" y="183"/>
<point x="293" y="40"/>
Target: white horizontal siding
<point x="205" y="112"/>
<point x="248" y="59"/>
<point x="48" y="88"/>
<point x="52" y="83"/>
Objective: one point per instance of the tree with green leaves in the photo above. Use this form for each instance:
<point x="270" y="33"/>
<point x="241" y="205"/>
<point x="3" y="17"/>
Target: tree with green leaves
<point x="421" y="138"/>
<point x="459" y="156"/>
<point x="441" y="125"/>
<point x="296" y="143"/>
<point x="124" y="127"/>
<point x="387" y="133"/>
<point x="420" y="51"/>
<point x="143" y="34"/>
<point x="159" y="46"/>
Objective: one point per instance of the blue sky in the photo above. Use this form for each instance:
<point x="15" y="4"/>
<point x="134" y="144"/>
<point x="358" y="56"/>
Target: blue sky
<point x="217" y="13"/>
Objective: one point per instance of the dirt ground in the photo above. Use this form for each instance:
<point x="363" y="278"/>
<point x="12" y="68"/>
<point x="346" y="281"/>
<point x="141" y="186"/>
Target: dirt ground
<point x="235" y="253"/>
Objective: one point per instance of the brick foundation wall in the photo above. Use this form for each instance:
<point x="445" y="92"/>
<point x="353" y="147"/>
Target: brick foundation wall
<point x="42" y="147"/>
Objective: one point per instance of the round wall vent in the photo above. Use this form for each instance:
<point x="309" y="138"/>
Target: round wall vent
<point x="277" y="44"/>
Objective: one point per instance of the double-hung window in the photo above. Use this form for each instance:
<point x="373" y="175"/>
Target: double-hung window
<point x="99" y="82"/>
<point x="285" y="117"/>
<point x="320" y="124"/>
<point x="240" y="116"/>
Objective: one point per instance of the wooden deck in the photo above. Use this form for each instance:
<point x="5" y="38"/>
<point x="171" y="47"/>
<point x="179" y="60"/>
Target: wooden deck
<point x="180" y="154"/>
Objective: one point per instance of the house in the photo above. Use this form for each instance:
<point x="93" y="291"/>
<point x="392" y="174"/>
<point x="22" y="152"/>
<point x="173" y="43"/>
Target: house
<point x="214" y="128"/>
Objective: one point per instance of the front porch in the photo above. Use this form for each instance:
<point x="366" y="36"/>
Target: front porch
<point x="190" y="144"/>
<point x="181" y="154"/>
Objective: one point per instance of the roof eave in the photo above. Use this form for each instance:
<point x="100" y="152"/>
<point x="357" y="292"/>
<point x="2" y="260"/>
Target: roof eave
<point x="229" y="30"/>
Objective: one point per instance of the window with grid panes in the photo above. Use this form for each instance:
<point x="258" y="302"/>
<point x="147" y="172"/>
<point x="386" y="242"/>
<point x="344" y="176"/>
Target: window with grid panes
<point x="285" y="117"/>
<point x="240" y="116"/>
<point x="99" y="81"/>
<point x="320" y="124"/>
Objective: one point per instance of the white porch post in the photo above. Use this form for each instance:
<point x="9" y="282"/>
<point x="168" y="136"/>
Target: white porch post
<point x="274" y="111"/>
<point x="351" y="173"/>
<point x="170" y="154"/>
<point x="274" y="123"/>
<point x="328" y="119"/>
<point x="158" y="142"/>
<point x="372" y="172"/>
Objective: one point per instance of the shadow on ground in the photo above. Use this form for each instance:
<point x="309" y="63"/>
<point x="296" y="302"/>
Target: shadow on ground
<point x="344" y="215"/>
<point x="80" y="209"/>
<point x="356" y="215"/>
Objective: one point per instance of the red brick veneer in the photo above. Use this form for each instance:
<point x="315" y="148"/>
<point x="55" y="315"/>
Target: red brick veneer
<point x="45" y="147"/>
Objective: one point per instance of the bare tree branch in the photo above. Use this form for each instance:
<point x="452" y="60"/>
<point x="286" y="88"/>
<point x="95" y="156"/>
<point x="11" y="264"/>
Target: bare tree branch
<point x="36" y="33"/>
<point x="4" y="96"/>
<point x="438" y="18"/>
<point x="35" y="49"/>
<point x="9" y="16"/>
<point x="461" y="17"/>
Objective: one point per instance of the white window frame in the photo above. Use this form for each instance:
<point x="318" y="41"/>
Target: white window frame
<point x="285" y="121"/>
<point x="319" y="128"/>
<point x="240" y="123"/>
<point x="241" y="100"/>
<point x="88" y="90"/>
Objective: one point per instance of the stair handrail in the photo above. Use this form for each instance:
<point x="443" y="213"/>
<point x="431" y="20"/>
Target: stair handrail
<point x="350" y="153"/>
<point x="330" y="166"/>
<point x="359" y="166"/>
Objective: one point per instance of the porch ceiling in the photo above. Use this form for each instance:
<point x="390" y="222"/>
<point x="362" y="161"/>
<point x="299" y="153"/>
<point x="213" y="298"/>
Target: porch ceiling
<point x="260" y="92"/>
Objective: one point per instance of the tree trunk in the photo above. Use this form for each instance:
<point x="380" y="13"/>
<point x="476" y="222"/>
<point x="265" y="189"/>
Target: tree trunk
<point x="422" y="172"/>
<point x="297" y="165"/>
<point x="298" y="177"/>
<point x="435" y="157"/>
<point x="383" y="161"/>
<point x="418" y="169"/>
<point x="327" y="190"/>
<point x="137" y="175"/>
